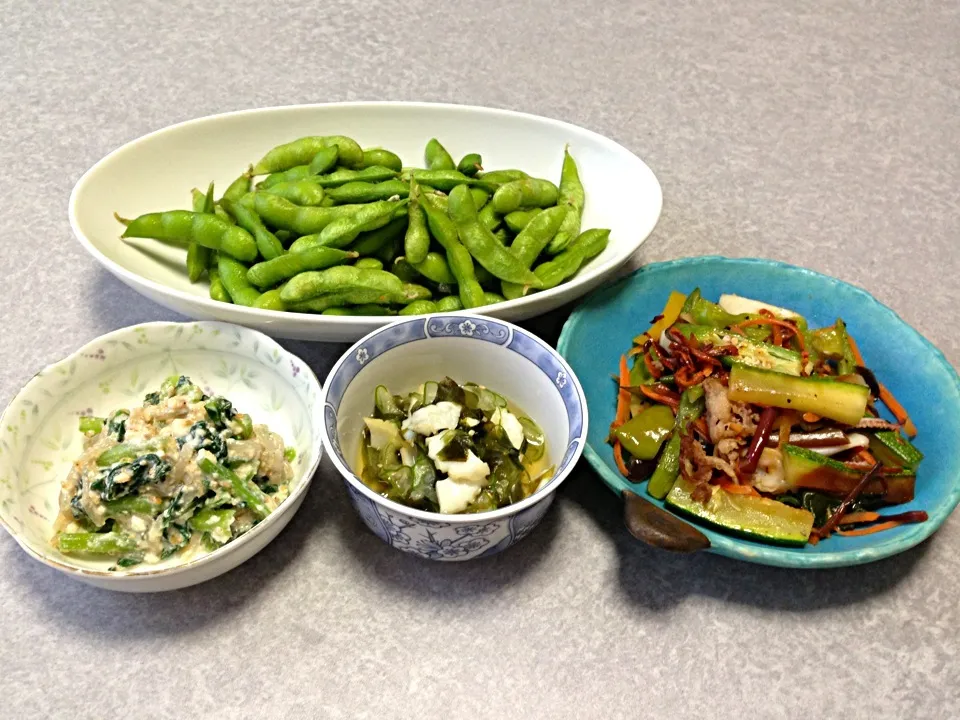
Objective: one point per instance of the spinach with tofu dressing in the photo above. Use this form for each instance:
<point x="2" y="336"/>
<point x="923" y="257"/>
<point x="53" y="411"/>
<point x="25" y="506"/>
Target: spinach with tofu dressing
<point x="182" y="473"/>
<point x="451" y="448"/>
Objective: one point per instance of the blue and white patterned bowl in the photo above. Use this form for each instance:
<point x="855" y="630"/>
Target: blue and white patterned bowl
<point x="468" y="348"/>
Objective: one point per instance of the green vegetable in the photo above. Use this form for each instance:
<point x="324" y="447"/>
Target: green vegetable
<point x="202" y="437"/>
<point x="704" y="312"/>
<point x="840" y="401"/>
<point x="217" y="291"/>
<point x="531" y="241"/>
<point x="754" y="354"/>
<point x="302" y="151"/>
<point x="470" y="164"/>
<point x="526" y="193"/>
<point x="755" y="518"/>
<point x="436" y="157"/>
<point x="445" y="232"/>
<point x="572" y="198"/>
<point x="668" y="467"/>
<point x="416" y="241"/>
<point x="894" y="450"/>
<point x="643" y="434"/>
<point x="832" y="342"/>
<point x="302" y="220"/>
<point x="589" y="244"/>
<point x="90" y="425"/>
<point x="308" y="285"/>
<point x="344" y="230"/>
<point x="299" y="192"/>
<point x="251" y="496"/>
<point x="183" y="226"/>
<point x="381" y="157"/>
<point x="233" y="275"/>
<point x="110" y="543"/>
<point x="272" y="272"/>
<point x="364" y="192"/>
<point x="124" y="478"/>
<point x="519" y="219"/>
<point x="198" y="256"/>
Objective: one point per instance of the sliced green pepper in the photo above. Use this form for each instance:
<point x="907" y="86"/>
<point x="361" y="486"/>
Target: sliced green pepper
<point x="704" y="312"/>
<point x="643" y="435"/>
<point x="832" y="341"/>
<point x="668" y="467"/>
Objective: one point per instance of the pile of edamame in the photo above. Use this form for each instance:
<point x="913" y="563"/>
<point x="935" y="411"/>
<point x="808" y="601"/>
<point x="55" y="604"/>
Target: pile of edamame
<point x="336" y="229"/>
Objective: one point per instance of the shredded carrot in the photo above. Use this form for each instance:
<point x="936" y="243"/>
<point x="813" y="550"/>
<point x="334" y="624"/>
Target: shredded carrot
<point x="864" y="455"/>
<point x="735" y="489"/>
<point x="886" y="397"/>
<point x="870" y="530"/>
<point x="773" y="322"/>
<point x="623" y="396"/>
<point x="856" y="518"/>
<point x="777" y="335"/>
<point x="618" y="457"/>
<point x="658" y="397"/>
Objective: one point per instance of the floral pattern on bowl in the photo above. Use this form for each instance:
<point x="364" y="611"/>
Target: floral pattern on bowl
<point x="518" y="365"/>
<point x="39" y="439"/>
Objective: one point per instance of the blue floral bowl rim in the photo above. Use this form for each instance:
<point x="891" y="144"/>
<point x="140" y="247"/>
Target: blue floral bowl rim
<point x="734" y="547"/>
<point x="500" y="513"/>
<point x="293" y="499"/>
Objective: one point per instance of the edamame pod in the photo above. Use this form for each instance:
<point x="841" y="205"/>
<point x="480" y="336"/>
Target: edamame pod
<point x="382" y="157"/>
<point x="419" y="307"/>
<point x="436" y="157"/>
<point x="403" y="270"/>
<point x="267" y="243"/>
<point x="369" y="243"/>
<point x="485" y="248"/>
<point x="408" y="294"/>
<point x="303" y="150"/>
<point x="299" y="192"/>
<point x="434" y="267"/>
<point x="234" y="277"/>
<point x="364" y="192"/>
<point x="532" y="240"/>
<point x="368" y="263"/>
<point x="217" y="291"/>
<point x="325" y="160"/>
<point x="492" y="298"/>
<point x="489" y="217"/>
<point x="270" y="273"/>
<point x="198" y="256"/>
<point x="344" y="230"/>
<point x="451" y="303"/>
<point x="518" y="219"/>
<point x="270" y="300"/>
<point x="300" y="219"/>
<point x="588" y="244"/>
<point x="416" y="240"/>
<point x="305" y="242"/>
<point x="470" y="165"/>
<point x="446" y="180"/>
<point x="359" y="310"/>
<point x="571" y="196"/>
<point x="343" y="176"/>
<point x="344" y="278"/>
<point x="529" y="192"/>
<point x="183" y="226"/>
<point x="503" y="176"/>
<point x="239" y="187"/>
<point x="445" y="232"/>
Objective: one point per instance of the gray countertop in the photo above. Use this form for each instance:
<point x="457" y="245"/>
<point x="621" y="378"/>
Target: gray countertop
<point x="821" y="134"/>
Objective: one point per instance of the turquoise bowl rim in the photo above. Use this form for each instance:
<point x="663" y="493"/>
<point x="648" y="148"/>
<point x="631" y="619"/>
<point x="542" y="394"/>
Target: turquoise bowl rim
<point x="731" y="546"/>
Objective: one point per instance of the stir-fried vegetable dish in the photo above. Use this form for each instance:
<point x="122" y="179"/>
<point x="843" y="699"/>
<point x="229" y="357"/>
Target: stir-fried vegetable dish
<point x="182" y="473"/>
<point x="451" y="448"/>
<point x="739" y="415"/>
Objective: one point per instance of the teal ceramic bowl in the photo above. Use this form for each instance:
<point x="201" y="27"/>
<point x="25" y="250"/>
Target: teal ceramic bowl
<point x="601" y="329"/>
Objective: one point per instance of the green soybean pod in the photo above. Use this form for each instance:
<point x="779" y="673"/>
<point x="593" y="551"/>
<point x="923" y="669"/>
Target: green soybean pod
<point x="183" y="226"/>
<point x="588" y="244"/>
<point x="492" y="298"/>
<point x="419" y="307"/>
<point x="271" y="272"/>
<point x="267" y="243"/>
<point x="299" y="192"/>
<point x="359" y="310"/>
<point x="480" y="196"/>
<point x="486" y="280"/>
<point x="528" y="192"/>
<point x="416" y="240"/>
<point x="451" y="303"/>
<point x="571" y="196"/>
<point x="389" y="251"/>
<point x="342" y="176"/>
<point x="270" y="300"/>
<point x="325" y="160"/>
<point x="239" y="187"/>
<point x="404" y="270"/>
<point x="369" y="243"/>
<point x="311" y="284"/>
<point x="344" y="230"/>
<point x="481" y="243"/>
<point x="217" y="291"/>
<point x="532" y="240"/>
<point x="446" y="180"/>
<point x="302" y="220"/>
<point x="434" y="267"/>
<point x="337" y="299"/>
<point x="502" y="236"/>
<point x="436" y="157"/>
<point x="303" y="150"/>
<point x="470" y="164"/>
<point x="382" y="157"/>
<point x="198" y="256"/>
<point x="294" y="174"/>
<point x="364" y="192"/>
<point x="223" y="215"/>
<point x="368" y="263"/>
<point x="233" y="275"/>
<point x="489" y="217"/>
<point x="461" y="264"/>
<point x="518" y="219"/>
<point x="305" y="242"/>
<point x="503" y="176"/>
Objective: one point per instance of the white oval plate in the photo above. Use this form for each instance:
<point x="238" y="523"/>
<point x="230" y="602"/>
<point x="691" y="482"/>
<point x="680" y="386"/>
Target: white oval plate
<point x="39" y="439"/>
<point x="156" y="172"/>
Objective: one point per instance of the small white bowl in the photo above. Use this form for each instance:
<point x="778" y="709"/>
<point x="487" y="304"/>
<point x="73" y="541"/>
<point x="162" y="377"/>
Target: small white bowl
<point x="155" y="172"/>
<point x="468" y="348"/>
<point x="39" y="439"/>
